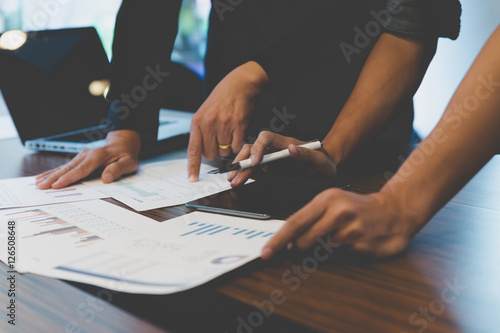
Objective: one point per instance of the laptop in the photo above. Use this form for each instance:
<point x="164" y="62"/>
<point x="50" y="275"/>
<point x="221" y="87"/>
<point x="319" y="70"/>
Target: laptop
<point x="54" y="85"/>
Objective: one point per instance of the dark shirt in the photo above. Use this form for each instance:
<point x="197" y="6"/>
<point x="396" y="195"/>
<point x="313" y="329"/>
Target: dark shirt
<point x="312" y="50"/>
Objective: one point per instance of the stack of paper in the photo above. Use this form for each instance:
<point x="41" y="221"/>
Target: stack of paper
<point x="162" y="184"/>
<point x="100" y="243"/>
<point x="71" y="235"/>
<point x="22" y="192"/>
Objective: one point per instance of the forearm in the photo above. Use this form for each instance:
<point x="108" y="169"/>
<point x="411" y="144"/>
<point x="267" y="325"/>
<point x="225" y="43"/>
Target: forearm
<point x="144" y="37"/>
<point x="253" y="76"/>
<point x="464" y="140"/>
<point x="390" y="76"/>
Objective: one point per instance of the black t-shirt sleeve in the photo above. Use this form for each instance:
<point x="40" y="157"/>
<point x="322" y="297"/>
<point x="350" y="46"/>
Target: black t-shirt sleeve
<point x="424" y="18"/>
<point x="145" y="32"/>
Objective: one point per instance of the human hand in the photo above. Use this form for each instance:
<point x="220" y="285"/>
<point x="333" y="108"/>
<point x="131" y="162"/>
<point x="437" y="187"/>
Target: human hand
<point x="118" y="157"/>
<point x="219" y="126"/>
<point x="312" y="162"/>
<point x="373" y="225"/>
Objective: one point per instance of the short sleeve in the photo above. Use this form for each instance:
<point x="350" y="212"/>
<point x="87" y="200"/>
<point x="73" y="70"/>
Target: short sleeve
<point x="424" y="18"/>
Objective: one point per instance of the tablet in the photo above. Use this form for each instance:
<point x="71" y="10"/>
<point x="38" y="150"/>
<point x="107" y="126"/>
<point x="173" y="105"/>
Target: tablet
<point x="263" y="199"/>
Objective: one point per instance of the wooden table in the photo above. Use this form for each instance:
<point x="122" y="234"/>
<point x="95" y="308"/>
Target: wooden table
<point x="446" y="281"/>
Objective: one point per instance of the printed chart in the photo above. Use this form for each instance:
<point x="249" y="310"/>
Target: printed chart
<point x="22" y="192"/>
<point x="50" y="225"/>
<point x="49" y="234"/>
<point x="171" y="256"/>
<point x="208" y="229"/>
<point x="162" y="184"/>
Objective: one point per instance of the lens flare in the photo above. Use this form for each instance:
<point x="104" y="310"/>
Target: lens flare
<point x="99" y="87"/>
<point x="13" y="39"/>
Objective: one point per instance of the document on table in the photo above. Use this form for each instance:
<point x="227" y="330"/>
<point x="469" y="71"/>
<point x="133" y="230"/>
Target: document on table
<point x="162" y="184"/>
<point x="22" y="192"/>
<point x="47" y="235"/>
<point x="171" y="256"/>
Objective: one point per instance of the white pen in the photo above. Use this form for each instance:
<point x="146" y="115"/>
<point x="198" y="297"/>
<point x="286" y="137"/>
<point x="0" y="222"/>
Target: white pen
<point x="245" y="164"/>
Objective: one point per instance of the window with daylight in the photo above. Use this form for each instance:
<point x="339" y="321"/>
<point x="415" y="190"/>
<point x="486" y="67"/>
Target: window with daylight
<point x="190" y="44"/>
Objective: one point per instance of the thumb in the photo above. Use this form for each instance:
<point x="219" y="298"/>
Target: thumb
<point x="115" y="170"/>
<point x="314" y="160"/>
<point x="302" y="155"/>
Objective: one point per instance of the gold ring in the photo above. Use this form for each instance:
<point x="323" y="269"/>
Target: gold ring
<point x="224" y="147"/>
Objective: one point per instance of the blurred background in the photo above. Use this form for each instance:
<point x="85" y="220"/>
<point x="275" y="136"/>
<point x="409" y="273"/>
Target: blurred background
<point x="54" y="14"/>
<point x="453" y="58"/>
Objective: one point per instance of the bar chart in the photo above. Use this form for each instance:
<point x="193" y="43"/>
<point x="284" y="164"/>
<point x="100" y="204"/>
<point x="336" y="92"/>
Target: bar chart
<point x="63" y="193"/>
<point x="50" y="225"/>
<point x="211" y="229"/>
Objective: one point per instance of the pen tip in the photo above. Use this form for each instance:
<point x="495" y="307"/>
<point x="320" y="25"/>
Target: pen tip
<point x="213" y="172"/>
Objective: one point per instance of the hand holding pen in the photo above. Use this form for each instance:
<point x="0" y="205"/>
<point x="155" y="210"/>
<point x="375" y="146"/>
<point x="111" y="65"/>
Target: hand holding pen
<point x="271" y="157"/>
<point x="313" y="161"/>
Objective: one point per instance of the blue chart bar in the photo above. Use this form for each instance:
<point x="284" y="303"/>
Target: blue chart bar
<point x="213" y="233"/>
<point x="255" y="235"/>
<point x="212" y="229"/>
<point x="199" y="229"/>
<point x="207" y="230"/>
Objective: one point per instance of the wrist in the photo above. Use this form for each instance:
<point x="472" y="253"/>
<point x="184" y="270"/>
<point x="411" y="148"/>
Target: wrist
<point x="253" y="75"/>
<point x="333" y="151"/>
<point x="129" y="138"/>
<point x="408" y="207"/>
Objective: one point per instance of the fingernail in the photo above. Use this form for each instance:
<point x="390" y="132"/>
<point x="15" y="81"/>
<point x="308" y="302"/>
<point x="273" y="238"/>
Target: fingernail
<point x="193" y="179"/>
<point x="266" y="253"/>
<point x="289" y="246"/>
<point x="253" y="159"/>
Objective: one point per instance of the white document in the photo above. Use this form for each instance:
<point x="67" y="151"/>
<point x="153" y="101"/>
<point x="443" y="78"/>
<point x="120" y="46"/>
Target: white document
<point x="47" y="235"/>
<point x="171" y="256"/>
<point x="22" y="192"/>
<point x="162" y="184"/>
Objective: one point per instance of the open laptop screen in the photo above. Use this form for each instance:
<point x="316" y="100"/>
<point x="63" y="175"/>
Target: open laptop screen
<point x="47" y="81"/>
